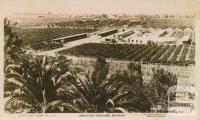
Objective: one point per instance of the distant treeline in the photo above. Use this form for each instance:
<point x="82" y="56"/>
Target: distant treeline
<point x="181" y="23"/>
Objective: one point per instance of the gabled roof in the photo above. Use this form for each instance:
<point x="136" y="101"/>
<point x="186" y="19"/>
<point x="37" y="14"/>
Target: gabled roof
<point x="61" y="38"/>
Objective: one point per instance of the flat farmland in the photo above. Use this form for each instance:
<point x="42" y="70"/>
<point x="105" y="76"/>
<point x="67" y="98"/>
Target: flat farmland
<point x="35" y="37"/>
<point x="185" y="74"/>
<point x="147" y="54"/>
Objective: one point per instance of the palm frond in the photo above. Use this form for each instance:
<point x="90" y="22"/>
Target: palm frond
<point x="15" y="82"/>
<point x="19" y="102"/>
<point x="120" y="95"/>
<point x="57" y="103"/>
<point x="81" y="93"/>
<point x="11" y="66"/>
<point x="119" y="110"/>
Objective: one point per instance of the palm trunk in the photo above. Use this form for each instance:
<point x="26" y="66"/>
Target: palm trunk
<point x="45" y="101"/>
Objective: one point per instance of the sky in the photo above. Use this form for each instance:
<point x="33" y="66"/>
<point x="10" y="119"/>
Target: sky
<point x="101" y="6"/>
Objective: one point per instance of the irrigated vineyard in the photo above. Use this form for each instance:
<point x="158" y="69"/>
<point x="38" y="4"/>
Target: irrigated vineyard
<point x="139" y="53"/>
<point x="36" y="37"/>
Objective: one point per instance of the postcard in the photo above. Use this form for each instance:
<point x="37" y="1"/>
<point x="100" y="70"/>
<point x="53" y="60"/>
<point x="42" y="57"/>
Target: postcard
<point x="100" y="59"/>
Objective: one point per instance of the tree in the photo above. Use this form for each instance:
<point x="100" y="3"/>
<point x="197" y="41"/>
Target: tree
<point x="135" y="74"/>
<point x="136" y="101"/>
<point x="104" y="16"/>
<point x="34" y="83"/>
<point x="12" y="43"/>
<point x="157" y="88"/>
<point x="37" y="83"/>
<point x="97" y="93"/>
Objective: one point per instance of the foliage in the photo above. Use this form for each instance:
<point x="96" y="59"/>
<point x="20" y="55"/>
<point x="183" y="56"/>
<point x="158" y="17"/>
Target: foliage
<point x="133" y="82"/>
<point x="122" y="92"/>
<point x="139" y="53"/>
<point x="12" y="44"/>
<point x="168" y="22"/>
<point x="97" y="93"/>
<point x="41" y="38"/>
<point x="34" y="83"/>
<point x="157" y="88"/>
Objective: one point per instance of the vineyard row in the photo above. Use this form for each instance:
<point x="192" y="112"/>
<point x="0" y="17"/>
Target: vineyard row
<point x="139" y="53"/>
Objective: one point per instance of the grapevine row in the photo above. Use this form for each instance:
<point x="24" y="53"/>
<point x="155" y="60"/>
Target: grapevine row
<point x="144" y="53"/>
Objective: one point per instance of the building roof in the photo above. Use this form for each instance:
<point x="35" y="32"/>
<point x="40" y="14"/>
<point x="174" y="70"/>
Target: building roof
<point x="101" y="32"/>
<point x="165" y="39"/>
<point x="61" y="38"/>
<point x="185" y="38"/>
<point x="188" y="29"/>
<point x="181" y="88"/>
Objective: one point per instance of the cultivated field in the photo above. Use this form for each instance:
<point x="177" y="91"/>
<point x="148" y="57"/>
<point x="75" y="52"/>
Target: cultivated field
<point x="37" y="37"/>
<point x="164" y="54"/>
<point x="184" y="74"/>
<point x="58" y="70"/>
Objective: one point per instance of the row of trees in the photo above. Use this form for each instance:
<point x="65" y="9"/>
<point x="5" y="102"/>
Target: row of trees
<point x="97" y="23"/>
<point x="192" y="54"/>
<point x="36" y="84"/>
<point x="41" y="38"/>
<point x="164" y="54"/>
<point x="44" y="46"/>
<point x="151" y="53"/>
<point x="155" y="58"/>
<point x="146" y="22"/>
<point x="184" y="53"/>
<point x="176" y="53"/>
<point x="166" y="23"/>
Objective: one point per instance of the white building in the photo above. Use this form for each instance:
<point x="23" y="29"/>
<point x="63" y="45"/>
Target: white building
<point x="152" y="37"/>
<point x="165" y="40"/>
<point x="181" y="99"/>
<point x="138" y="39"/>
<point x="157" y="36"/>
<point x="119" y="36"/>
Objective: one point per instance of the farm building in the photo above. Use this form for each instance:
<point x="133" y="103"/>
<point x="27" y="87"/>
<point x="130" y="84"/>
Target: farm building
<point x="187" y="31"/>
<point x="178" y="33"/>
<point x="124" y="34"/>
<point x="107" y="33"/>
<point x="165" y="40"/>
<point x="119" y="36"/>
<point x="186" y="40"/>
<point x="170" y="31"/>
<point x="157" y="36"/>
<point x="139" y="39"/>
<point x="161" y="33"/>
<point x="71" y="38"/>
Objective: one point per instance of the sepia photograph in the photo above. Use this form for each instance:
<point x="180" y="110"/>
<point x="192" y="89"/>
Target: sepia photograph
<point x="100" y="58"/>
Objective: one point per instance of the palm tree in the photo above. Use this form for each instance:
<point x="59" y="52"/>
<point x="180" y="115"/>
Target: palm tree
<point x="134" y="73"/>
<point x="33" y="84"/>
<point x="97" y="93"/>
<point x="122" y="92"/>
<point x="45" y="85"/>
<point x="133" y="82"/>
